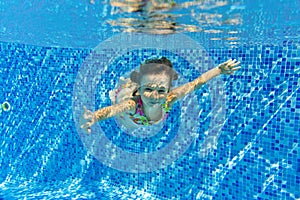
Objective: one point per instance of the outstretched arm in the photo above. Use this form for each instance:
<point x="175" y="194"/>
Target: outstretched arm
<point x="227" y="67"/>
<point x="90" y="118"/>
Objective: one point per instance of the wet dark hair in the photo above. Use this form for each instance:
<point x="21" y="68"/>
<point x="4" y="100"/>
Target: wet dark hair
<point x="155" y="66"/>
<point x="162" y="60"/>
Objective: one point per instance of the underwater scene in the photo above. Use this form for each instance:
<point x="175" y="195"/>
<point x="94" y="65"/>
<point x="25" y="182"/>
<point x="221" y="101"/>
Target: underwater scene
<point x="236" y="137"/>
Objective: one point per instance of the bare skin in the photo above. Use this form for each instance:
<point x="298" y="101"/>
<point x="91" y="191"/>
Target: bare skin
<point x="153" y="92"/>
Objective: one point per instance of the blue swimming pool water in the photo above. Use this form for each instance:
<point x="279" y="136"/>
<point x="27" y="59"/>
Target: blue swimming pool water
<point x="43" y="155"/>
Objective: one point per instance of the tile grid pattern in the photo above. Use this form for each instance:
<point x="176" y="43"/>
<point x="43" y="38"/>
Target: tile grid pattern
<point x="257" y="155"/>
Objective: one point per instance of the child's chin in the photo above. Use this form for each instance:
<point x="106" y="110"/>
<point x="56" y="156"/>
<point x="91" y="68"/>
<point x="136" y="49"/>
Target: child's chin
<point x="154" y="104"/>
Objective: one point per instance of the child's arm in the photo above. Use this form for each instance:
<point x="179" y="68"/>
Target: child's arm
<point x="227" y="67"/>
<point x="113" y="110"/>
<point x="104" y="113"/>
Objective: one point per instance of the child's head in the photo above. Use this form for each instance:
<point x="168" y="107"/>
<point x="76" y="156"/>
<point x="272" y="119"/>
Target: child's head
<point x="155" y="80"/>
<point x="158" y="67"/>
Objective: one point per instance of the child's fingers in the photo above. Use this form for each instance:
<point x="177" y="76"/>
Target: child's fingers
<point x="235" y="64"/>
<point x="87" y="114"/>
<point x="228" y="61"/>
<point x="225" y="63"/>
<point x="86" y="125"/>
<point x="89" y="130"/>
<point x="236" y="68"/>
<point x="86" y="128"/>
<point x="83" y="126"/>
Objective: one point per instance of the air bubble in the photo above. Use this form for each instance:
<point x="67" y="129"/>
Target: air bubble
<point x="6" y="106"/>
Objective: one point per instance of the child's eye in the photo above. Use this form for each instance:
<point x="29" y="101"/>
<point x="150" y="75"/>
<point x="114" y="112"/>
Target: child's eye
<point x="148" y="90"/>
<point x="161" y="91"/>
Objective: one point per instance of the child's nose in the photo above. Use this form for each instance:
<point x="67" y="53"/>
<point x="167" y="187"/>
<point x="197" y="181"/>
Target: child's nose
<point x="154" y="94"/>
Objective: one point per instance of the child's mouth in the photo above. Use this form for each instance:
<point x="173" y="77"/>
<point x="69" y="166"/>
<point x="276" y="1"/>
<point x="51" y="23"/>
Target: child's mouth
<point x="153" y="102"/>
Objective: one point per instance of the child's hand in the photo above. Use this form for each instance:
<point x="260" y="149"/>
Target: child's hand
<point x="88" y="120"/>
<point x="229" y="66"/>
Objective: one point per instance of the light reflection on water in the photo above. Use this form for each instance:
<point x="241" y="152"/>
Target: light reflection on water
<point x="166" y="17"/>
<point x="213" y="23"/>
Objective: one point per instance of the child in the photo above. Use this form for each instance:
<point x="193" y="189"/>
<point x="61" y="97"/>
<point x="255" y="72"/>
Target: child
<point x="147" y="97"/>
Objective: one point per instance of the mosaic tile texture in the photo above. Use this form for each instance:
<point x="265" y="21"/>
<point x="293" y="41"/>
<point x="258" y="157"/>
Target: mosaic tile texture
<point x="257" y="155"/>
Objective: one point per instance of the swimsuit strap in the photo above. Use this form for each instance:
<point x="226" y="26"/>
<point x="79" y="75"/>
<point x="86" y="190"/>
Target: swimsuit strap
<point x="139" y="108"/>
<point x="139" y="116"/>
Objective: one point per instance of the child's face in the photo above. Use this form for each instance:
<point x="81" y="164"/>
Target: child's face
<point x="154" y="89"/>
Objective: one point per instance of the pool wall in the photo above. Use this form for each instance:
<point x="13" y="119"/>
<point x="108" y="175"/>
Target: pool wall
<point x="257" y="156"/>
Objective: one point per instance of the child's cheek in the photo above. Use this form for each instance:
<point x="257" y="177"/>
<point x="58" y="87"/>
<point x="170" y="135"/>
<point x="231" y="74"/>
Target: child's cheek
<point x="163" y="99"/>
<point x="147" y="94"/>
